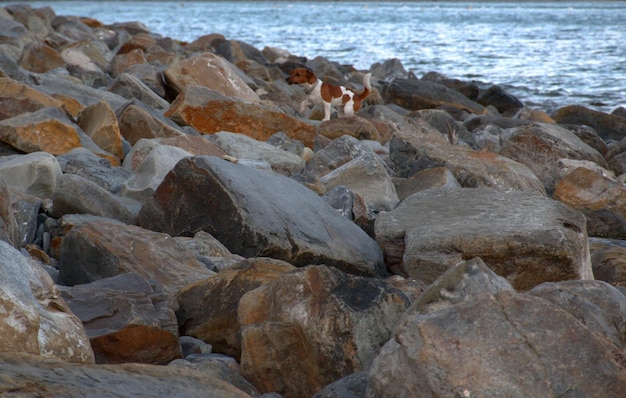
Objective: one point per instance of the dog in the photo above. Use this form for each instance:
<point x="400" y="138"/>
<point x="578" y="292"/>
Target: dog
<point x="347" y="101"/>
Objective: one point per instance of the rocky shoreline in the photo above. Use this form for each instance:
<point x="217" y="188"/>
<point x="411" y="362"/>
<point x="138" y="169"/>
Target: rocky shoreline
<point x="171" y="225"/>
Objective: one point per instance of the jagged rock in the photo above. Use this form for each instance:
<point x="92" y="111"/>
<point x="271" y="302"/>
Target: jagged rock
<point x="100" y="249"/>
<point x="416" y="94"/>
<point x="530" y="346"/>
<point x="598" y="305"/>
<point x="100" y="123"/>
<point x="255" y="219"/>
<point x="47" y="129"/>
<point x="127" y="319"/>
<point x="75" y="194"/>
<point x="462" y="282"/>
<point x="432" y="178"/>
<point x="608" y="259"/>
<point x="96" y="169"/>
<point x="34" y="319"/>
<point x="154" y="167"/>
<point x="82" y="67"/>
<point x="34" y="173"/>
<point x="356" y="127"/>
<point x="243" y="147"/>
<point x="129" y="86"/>
<point x="17" y="98"/>
<point x="412" y="152"/>
<point x="525" y="237"/>
<point x="209" y="112"/>
<point x="9" y="229"/>
<point x="609" y="127"/>
<point x="208" y="308"/>
<point x="600" y="198"/>
<point x="121" y="62"/>
<point x="137" y="120"/>
<point x="35" y="376"/>
<point x="540" y="146"/>
<point x="209" y="71"/>
<point x="313" y="326"/>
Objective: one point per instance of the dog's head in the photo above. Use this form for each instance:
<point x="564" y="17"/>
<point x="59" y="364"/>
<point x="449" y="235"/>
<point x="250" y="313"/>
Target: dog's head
<point x="301" y="75"/>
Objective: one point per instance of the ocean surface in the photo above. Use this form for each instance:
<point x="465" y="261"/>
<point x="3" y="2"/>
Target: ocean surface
<point x="548" y="54"/>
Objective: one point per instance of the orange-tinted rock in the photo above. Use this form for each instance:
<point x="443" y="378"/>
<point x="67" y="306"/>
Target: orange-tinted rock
<point x="137" y="121"/>
<point x="47" y="130"/>
<point x="210" y="71"/>
<point x="100" y="123"/>
<point x="608" y="126"/>
<point x="41" y="59"/>
<point x="121" y="62"/>
<point x="356" y="127"/>
<point x="601" y="199"/>
<point x="210" y="112"/>
<point x="17" y="98"/>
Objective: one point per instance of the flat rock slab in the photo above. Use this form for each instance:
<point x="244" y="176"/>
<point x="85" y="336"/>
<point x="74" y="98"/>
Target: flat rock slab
<point x="256" y="213"/>
<point x="525" y="237"/>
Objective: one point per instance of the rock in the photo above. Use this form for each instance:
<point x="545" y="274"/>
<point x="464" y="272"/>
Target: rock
<point x="589" y="136"/>
<point x="432" y="178"/>
<point x="442" y="121"/>
<point x="313" y="326"/>
<point x="540" y="146"/>
<point x="388" y="70"/>
<point x="47" y="130"/>
<point x="57" y="86"/>
<point x="416" y="94"/>
<point x="35" y="376"/>
<point x="237" y="52"/>
<point x="525" y="237"/>
<point x="609" y="127"/>
<point x="356" y="127"/>
<point x="75" y="194"/>
<point x="82" y="67"/>
<point x="209" y="112"/>
<point x="616" y="157"/>
<point x="137" y="120"/>
<point x="100" y="123"/>
<point x="480" y="122"/>
<point x="154" y="167"/>
<point x="351" y="386"/>
<point x="504" y="102"/>
<point x="34" y="319"/>
<point x="208" y="308"/>
<point x="601" y="199"/>
<point x="209" y="71"/>
<point x="255" y="219"/>
<point x="216" y="369"/>
<point x="129" y="87"/>
<point x="86" y="164"/>
<point x="463" y="282"/>
<point x="608" y="258"/>
<point x="127" y="319"/>
<point x="121" y="62"/>
<point x="96" y="250"/>
<point x="149" y="75"/>
<point x="385" y="120"/>
<point x="598" y="305"/>
<point x="243" y="147"/>
<point x="35" y="173"/>
<point x="459" y="351"/>
<point x="9" y="228"/>
<point x="17" y="98"/>
<point x="412" y="152"/>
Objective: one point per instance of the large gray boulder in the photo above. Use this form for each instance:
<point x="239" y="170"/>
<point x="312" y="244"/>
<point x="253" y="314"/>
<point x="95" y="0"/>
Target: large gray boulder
<point x="256" y="213"/>
<point x="523" y="236"/>
<point x="503" y="345"/>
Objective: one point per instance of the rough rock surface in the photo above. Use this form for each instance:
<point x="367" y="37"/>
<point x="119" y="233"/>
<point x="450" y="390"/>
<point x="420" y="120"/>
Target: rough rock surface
<point x="299" y="228"/>
<point x="285" y="326"/>
<point x="525" y="237"/>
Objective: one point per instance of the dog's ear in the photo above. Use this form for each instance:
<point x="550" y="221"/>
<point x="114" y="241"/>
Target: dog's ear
<point x="310" y="76"/>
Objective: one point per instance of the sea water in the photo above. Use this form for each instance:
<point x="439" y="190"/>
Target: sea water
<point x="548" y="54"/>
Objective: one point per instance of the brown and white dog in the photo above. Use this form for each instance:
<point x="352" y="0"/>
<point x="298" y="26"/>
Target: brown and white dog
<point x="347" y="101"/>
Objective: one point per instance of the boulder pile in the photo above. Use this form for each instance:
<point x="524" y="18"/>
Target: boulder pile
<point x="171" y="225"/>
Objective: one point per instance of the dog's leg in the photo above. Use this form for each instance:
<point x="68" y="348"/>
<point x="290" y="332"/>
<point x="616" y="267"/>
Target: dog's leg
<point x="303" y="106"/>
<point x="327" y="109"/>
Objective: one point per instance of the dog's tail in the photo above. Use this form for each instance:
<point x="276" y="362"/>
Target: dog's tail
<point x="367" y="87"/>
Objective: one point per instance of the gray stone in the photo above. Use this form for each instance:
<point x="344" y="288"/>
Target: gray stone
<point x="525" y="237"/>
<point x="351" y="386"/>
<point x="96" y="169"/>
<point x="129" y="87"/>
<point x="502" y="345"/>
<point x="255" y="218"/>
<point x="35" y="173"/>
<point x="242" y="146"/>
<point x="75" y="194"/>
